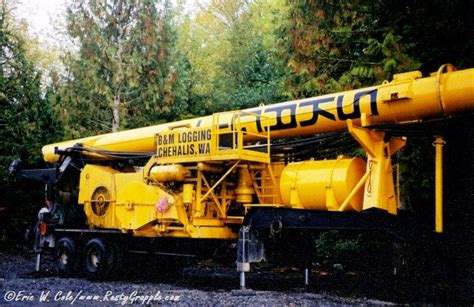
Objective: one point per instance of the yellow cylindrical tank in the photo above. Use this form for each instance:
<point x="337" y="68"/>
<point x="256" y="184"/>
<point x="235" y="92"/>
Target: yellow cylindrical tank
<point x="166" y="173"/>
<point x="322" y="185"/>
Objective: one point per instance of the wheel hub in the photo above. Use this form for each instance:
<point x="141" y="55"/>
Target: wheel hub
<point x="64" y="258"/>
<point x="94" y="258"/>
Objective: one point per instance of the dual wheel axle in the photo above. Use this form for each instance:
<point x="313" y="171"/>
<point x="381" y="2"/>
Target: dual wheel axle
<point x="95" y="257"/>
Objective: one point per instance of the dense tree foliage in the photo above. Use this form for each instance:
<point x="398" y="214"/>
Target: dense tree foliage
<point x="433" y="32"/>
<point x="27" y="119"/>
<point x="231" y="47"/>
<point x="127" y="71"/>
<point x="330" y="46"/>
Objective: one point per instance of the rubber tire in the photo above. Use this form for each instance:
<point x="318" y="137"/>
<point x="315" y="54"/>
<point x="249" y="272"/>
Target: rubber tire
<point x="105" y="258"/>
<point x="68" y="246"/>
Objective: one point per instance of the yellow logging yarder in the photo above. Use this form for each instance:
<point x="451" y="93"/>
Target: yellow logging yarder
<point x="206" y="172"/>
<point x="205" y="176"/>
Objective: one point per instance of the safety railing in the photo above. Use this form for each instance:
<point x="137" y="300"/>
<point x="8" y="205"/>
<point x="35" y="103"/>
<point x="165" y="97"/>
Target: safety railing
<point x="235" y="136"/>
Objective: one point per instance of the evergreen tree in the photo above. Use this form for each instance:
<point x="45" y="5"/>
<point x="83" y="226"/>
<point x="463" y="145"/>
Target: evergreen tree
<point x="231" y="50"/>
<point x="126" y="72"/>
<point x="329" y="46"/>
<point x="27" y="122"/>
<point x="433" y="32"/>
<point x="27" y="119"/>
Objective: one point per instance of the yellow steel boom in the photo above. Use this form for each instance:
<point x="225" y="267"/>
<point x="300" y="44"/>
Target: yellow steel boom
<point x="409" y="97"/>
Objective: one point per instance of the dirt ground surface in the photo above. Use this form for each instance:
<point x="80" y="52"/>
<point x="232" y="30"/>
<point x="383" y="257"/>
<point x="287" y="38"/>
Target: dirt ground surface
<point x="151" y="282"/>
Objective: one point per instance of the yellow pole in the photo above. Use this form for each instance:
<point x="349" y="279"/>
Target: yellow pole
<point x="354" y="191"/>
<point x="438" y="144"/>
<point x="199" y="208"/>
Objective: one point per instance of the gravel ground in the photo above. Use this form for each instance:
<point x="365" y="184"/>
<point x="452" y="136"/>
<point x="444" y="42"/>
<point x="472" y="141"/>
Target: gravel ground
<point x="207" y="284"/>
<point x="147" y="280"/>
